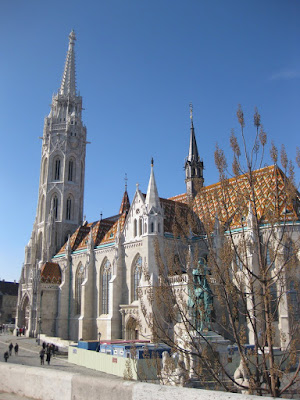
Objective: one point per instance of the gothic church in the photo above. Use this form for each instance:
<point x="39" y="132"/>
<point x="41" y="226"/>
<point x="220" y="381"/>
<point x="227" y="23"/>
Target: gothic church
<point x="82" y="278"/>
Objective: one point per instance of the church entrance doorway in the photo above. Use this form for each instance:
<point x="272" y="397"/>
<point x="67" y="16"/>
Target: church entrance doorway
<point x="132" y="332"/>
<point x="24" y="314"/>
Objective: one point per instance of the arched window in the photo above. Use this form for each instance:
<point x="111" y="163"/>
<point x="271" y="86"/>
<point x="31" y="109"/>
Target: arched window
<point x="106" y="277"/>
<point x="57" y="169"/>
<point x="55" y="206"/>
<point x="137" y="273"/>
<point x="135" y="228"/>
<point x="78" y="288"/>
<point x="274" y="301"/>
<point x="140" y="226"/>
<point x="152" y="227"/>
<point x="294" y="301"/>
<point x="44" y="170"/>
<point x="40" y="246"/>
<point x="69" y="208"/>
<point x="42" y="207"/>
<point x="71" y="171"/>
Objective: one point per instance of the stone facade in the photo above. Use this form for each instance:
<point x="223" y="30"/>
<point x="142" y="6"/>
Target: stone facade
<point x="83" y="278"/>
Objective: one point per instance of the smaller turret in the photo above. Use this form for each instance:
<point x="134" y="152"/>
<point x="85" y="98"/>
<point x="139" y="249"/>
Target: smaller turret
<point x="153" y="207"/>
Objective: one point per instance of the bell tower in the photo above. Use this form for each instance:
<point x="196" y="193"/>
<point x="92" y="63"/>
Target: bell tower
<point x="61" y="189"/>
<point x="193" y="165"/>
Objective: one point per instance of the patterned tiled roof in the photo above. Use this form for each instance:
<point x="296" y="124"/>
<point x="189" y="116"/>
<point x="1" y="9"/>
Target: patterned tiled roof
<point x="51" y="273"/>
<point x="230" y="203"/>
<point x="182" y="198"/>
<point x="171" y="208"/>
<point x="125" y="205"/>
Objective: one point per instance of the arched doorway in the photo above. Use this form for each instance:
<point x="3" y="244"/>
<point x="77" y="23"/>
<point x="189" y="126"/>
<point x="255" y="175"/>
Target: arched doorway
<point x="132" y="331"/>
<point x="24" y="313"/>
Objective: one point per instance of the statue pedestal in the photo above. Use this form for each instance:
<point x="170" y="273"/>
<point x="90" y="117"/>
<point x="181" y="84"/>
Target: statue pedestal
<point x="213" y="344"/>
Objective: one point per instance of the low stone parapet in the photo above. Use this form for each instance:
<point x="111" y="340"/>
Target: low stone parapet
<point x="42" y="384"/>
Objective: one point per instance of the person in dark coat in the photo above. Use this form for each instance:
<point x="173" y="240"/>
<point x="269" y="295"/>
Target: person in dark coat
<point x="10" y="347"/>
<point x="48" y="357"/>
<point x="44" y="345"/>
<point x="42" y="355"/>
<point x="6" y="356"/>
<point x="16" y="349"/>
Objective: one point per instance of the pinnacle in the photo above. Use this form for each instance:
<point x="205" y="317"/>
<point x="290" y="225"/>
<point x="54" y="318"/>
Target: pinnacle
<point x="68" y="83"/>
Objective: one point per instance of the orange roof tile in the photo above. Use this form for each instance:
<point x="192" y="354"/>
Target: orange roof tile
<point x="230" y="203"/>
<point x="51" y="273"/>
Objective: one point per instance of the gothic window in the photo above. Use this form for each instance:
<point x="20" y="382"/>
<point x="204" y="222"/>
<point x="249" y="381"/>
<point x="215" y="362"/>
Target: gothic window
<point x="238" y="262"/>
<point x="55" y="206"/>
<point x="274" y="301"/>
<point x="78" y="288"/>
<point x="42" y="206"/>
<point x="294" y="301"/>
<point x="135" y="228"/>
<point x="137" y="273"/>
<point x="69" y="208"/>
<point x="140" y="226"/>
<point x="81" y="175"/>
<point x="106" y="277"/>
<point x="152" y="227"/>
<point x="71" y="171"/>
<point x="44" y="170"/>
<point x="158" y="228"/>
<point x="57" y="169"/>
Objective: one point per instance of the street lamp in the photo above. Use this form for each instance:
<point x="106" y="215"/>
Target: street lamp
<point x="39" y="334"/>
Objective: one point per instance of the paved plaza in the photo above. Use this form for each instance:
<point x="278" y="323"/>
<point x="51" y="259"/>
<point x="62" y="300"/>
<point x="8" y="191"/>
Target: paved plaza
<point x="28" y="355"/>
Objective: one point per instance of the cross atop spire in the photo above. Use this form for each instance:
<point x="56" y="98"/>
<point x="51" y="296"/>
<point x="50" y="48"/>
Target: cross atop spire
<point x="68" y="83"/>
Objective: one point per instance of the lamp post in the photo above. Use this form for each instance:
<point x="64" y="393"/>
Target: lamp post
<point x="99" y="337"/>
<point x="39" y="334"/>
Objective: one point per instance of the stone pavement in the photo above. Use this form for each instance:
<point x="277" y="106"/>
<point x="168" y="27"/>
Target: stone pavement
<point x="28" y="355"/>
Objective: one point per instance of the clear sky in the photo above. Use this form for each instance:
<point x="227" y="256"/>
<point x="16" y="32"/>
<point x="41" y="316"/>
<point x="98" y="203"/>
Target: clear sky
<point x="139" y="65"/>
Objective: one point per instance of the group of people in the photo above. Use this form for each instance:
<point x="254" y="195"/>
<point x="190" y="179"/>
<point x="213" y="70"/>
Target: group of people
<point x="8" y="352"/>
<point x="20" y="331"/>
<point x="48" y="350"/>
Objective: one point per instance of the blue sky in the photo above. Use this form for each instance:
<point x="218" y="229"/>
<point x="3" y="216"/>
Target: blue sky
<point x="139" y="65"/>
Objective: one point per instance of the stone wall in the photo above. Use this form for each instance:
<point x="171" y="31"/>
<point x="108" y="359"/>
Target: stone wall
<point x="43" y="384"/>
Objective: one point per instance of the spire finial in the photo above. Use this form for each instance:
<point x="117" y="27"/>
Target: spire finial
<point x="152" y="162"/>
<point x="125" y="179"/>
<point x="191" y="112"/>
<point x="72" y="37"/>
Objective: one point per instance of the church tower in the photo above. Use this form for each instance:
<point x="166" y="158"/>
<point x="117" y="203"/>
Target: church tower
<point x="61" y="189"/>
<point x="60" y="202"/>
<point x="193" y="165"/>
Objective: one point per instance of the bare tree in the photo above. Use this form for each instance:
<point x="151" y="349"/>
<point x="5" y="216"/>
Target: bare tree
<point x="232" y="268"/>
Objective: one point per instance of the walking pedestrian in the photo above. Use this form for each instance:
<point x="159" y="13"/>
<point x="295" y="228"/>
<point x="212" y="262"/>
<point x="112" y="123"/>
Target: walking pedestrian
<point x="16" y="349"/>
<point x="48" y="356"/>
<point x="6" y="356"/>
<point x="10" y="347"/>
<point x="42" y="355"/>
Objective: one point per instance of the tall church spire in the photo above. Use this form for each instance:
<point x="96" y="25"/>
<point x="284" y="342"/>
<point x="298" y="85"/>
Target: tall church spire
<point x="68" y="83"/>
<point x="193" y="166"/>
